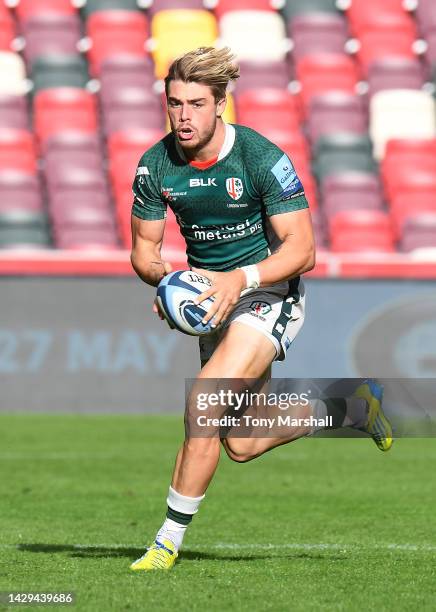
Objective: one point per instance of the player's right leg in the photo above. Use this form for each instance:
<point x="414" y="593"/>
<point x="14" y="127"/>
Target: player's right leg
<point x="236" y="357"/>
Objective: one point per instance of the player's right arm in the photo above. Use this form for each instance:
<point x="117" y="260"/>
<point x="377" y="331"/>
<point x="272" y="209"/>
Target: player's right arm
<point x="148" y="220"/>
<point x="146" y="259"/>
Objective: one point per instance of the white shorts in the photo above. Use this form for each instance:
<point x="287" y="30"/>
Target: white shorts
<point x="276" y="311"/>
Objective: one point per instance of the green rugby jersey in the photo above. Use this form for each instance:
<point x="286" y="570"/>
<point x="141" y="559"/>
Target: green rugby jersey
<point x="223" y="210"/>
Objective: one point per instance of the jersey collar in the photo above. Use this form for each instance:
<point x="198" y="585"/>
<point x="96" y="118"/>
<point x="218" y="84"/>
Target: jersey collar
<point x="229" y="141"/>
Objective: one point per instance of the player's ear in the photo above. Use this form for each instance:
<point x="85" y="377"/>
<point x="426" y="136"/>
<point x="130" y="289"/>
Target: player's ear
<point x="221" y="107"/>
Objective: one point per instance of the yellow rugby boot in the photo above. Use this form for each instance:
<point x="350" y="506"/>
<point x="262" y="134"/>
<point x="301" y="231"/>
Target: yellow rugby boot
<point x="160" y="556"/>
<point x="377" y="425"/>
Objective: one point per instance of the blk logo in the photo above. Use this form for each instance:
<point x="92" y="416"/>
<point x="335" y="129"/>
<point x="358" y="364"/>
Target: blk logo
<point x="210" y="182"/>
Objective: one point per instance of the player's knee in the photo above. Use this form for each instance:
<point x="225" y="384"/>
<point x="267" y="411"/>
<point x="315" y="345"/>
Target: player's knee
<point x="201" y="447"/>
<point x="238" y="452"/>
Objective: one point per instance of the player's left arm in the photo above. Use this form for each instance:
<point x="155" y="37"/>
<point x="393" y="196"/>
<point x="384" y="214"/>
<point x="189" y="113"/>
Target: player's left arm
<point x="296" y="254"/>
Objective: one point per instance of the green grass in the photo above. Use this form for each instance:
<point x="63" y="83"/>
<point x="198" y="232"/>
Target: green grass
<point x="308" y="526"/>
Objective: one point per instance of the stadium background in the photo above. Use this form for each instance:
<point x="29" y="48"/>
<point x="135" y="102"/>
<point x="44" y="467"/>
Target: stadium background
<point x="346" y="88"/>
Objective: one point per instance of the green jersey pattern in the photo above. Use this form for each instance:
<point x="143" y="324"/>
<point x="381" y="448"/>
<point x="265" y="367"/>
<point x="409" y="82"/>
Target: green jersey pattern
<point x="223" y="210"/>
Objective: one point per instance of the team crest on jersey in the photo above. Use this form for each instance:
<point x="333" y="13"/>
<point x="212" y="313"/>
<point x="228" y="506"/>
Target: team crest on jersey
<point x="235" y="188"/>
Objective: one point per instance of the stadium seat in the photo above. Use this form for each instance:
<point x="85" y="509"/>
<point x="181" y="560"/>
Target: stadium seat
<point x="28" y="8"/>
<point x="426" y="16"/>
<point x="50" y="71"/>
<point x="336" y="111"/>
<point x="81" y="216"/>
<point x="226" y="6"/>
<point x="13" y="112"/>
<point x="127" y="71"/>
<point x="413" y="181"/>
<point x="166" y="5"/>
<point x="55" y="161"/>
<point x="13" y="74"/>
<point x="23" y="227"/>
<point x="76" y="179"/>
<point x="293" y="143"/>
<point x="132" y="142"/>
<point x="298" y="7"/>
<point x="418" y="232"/>
<point x="72" y="141"/>
<point x="321" y="72"/>
<point x="395" y="73"/>
<point x="401" y="113"/>
<point x="17" y="150"/>
<point x="317" y="32"/>
<point x="49" y="34"/>
<point x="19" y="190"/>
<point x="261" y="74"/>
<point x="343" y="141"/>
<point x="403" y="155"/>
<point x="63" y="109"/>
<point x="386" y="40"/>
<point x="351" y="191"/>
<point x="114" y="32"/>
<point x="354" y="231"/>
<point x="176" y="32"/>
<point x="66" y="200"/>
<point x="7" y="31"/>
<point x="362" y="14"/>
<point x="407" y="206"/>
<point x="131" y="108"/>
<point x="87" y="238"/>
<point x="254" y="35"/>
<point x="93" y="6"/>
<point x="339" y="152"/>
<point x="24" y="238"/>
<point x="272" y="108"/>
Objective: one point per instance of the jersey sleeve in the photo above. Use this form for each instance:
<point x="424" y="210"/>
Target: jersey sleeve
<point x="279" y="186"/>
<point x="147" y="203"/>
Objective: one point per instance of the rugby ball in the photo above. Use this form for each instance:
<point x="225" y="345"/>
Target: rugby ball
<point x="176" y="293"/>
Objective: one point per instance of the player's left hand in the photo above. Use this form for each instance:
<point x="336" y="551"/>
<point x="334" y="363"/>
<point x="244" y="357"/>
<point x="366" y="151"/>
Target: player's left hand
<point x="226" y="289"/>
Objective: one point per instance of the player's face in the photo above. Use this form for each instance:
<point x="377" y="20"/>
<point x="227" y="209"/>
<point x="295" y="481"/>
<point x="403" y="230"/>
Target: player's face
<point x="193" y="114"/>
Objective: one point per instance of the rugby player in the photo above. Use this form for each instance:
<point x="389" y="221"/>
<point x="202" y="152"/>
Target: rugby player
<point x="242" y="211"/>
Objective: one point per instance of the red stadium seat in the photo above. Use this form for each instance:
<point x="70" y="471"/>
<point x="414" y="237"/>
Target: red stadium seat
<point x="410" y="180"/>
<point x="320" y="73"/>
<point x="133" y="141"/>
<point x="406" y="206"/>
<point x="399" y="146"/>
<point x="364" y="13"/>
<point x="115" y="32"/>
<point x="26" y="8"/>
<point x="355" y="231"/>
<point x="394" y="38"/>
<point x="7" y="31"/>
<point x="225" y="6"/>
<point x="267" y="98"/>
<point x="17" y="150"/>
<point x="125" y="150"/>
<point x="292" y="142"/>
<point x="261" y="119"/>
<point x="64" y="108"/>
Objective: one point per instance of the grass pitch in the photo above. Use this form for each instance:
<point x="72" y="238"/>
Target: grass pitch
<point x="319" y="524"/>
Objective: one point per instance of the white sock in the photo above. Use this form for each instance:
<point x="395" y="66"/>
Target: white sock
<point x="179" y="504"/>
<point x="173" y="531"/>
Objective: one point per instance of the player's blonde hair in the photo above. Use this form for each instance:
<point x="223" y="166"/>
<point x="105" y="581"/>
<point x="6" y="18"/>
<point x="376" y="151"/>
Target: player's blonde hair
<point x="206" y="65"/>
